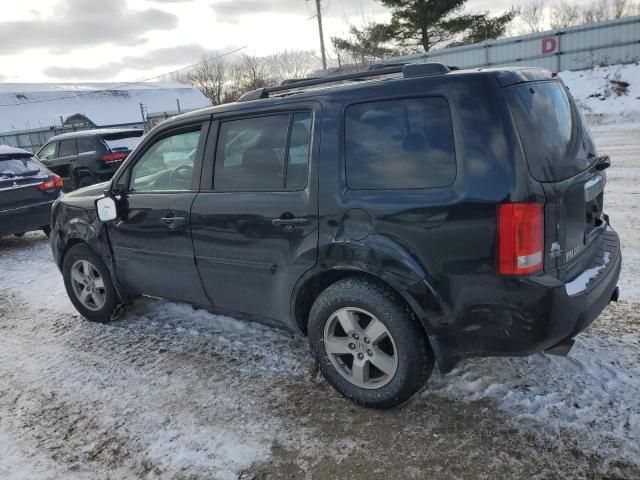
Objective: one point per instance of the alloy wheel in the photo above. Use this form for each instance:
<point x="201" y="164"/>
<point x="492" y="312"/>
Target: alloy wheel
<point x="361" y="348"/>
<point x="88" y="285"/>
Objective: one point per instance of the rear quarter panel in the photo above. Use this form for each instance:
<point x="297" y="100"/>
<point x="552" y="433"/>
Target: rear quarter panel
<point x="435" y="246"/>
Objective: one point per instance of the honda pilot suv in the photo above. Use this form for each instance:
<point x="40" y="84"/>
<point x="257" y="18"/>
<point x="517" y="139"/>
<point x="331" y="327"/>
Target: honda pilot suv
<point x="399" y="218"/>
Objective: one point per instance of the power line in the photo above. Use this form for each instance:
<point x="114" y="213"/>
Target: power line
<point x="124" y="84"/>
<point x="241" y="9"/>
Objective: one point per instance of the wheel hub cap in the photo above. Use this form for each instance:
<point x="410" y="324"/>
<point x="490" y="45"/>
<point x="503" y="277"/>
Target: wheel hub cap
<point x="360" y="348"/>
<point x="88" y="285"/>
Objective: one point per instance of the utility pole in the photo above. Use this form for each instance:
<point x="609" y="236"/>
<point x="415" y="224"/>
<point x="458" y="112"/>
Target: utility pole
<point x="143" y="114"/>
<point x="322" y="50"/>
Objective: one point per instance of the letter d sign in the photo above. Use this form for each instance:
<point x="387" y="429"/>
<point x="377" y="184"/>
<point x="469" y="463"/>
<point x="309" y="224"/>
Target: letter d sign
<point x="549" y="45"/>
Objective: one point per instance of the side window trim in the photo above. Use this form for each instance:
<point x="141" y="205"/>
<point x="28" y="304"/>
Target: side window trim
<point x="125" y="177"/>
<point x="213" y="151"/>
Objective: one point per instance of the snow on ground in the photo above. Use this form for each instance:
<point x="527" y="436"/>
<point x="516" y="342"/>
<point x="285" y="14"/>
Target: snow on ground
<point x="169" y="392"/>
<point x="595" y="392"/>
<point x="601" y="94"/>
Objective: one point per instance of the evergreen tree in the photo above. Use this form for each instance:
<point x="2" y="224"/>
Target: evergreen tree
<point x="430" y="23"/>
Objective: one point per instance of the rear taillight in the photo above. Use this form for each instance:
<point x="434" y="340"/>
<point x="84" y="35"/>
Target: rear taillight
<point x="52" y="183"/>
<point x="520" y="238"/>
<point x="114" y="157"/>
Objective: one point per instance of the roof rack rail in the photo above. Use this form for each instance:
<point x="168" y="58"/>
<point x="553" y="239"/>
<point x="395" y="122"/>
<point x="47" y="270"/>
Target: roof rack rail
<point x="408" y="70"/>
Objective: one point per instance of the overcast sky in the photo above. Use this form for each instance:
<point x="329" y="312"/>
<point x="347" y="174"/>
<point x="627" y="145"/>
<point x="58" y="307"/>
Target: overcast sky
<point x="130" y="40"/>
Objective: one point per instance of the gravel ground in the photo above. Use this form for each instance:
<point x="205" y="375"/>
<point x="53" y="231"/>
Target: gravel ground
<point x="166" y="391"/>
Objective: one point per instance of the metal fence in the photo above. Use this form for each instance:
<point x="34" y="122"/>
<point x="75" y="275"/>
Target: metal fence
<point x="32" y="140"/>
<point x="575" y="48"/>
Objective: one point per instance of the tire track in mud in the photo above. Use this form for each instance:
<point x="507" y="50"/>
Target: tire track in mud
<point x="116" y="400"/>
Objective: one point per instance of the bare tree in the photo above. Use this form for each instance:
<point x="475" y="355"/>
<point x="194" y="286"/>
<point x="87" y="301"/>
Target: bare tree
<point x="564" y="14"/>
<point x="597" y="11"/>
<point x="253" y="72"/>
<point x="289" y="64"/>
<point x="533" y="16"/>
<point x="210" y="77"/>
<point x="619" y="8"/>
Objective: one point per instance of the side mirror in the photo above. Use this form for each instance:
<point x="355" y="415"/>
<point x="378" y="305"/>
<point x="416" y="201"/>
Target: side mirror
<point x="107" y="210"/>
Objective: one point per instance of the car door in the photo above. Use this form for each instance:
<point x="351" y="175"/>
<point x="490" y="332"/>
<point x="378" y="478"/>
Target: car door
<point x="255" y="221"/>
<point x="67" y="156"/>
<point x="151" y="239"/>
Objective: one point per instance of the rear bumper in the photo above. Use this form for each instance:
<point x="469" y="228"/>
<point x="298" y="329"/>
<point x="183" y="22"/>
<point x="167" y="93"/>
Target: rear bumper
<point x="25" y="218"/>
<point x="520" y="316"/>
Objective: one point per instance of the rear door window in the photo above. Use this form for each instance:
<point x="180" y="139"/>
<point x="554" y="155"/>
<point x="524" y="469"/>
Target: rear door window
<point x="556" y="143"/>
<point x="399" y="144"/>
<point x="68" y="148"/>
<point x="86" y="145"/>
<point x="266" y="153"/>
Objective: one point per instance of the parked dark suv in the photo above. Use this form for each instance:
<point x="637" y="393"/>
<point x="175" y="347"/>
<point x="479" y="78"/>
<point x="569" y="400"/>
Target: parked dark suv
<point x="89" y="157"/>
<point x="27" y="191"/>
<point x="397" y="217"/>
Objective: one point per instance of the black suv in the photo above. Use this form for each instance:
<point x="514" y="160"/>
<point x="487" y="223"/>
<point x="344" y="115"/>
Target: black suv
<point x="397" y="217"/>
<point x="88" y="157"/>
<point x="27" y="191"/>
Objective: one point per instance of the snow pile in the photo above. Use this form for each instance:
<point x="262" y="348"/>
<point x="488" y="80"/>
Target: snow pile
<point x="594" y="393"/>
<point x="607" y="94"/>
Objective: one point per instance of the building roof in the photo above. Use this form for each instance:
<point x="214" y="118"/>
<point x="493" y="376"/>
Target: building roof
<point x="26" y="106"/>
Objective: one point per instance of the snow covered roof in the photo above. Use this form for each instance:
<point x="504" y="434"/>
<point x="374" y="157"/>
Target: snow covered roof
<point x="25" y="106"/>
<point x="6" y="150"/>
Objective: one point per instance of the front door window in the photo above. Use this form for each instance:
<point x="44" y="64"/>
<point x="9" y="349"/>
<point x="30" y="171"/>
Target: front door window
<point x="167" y="165"/>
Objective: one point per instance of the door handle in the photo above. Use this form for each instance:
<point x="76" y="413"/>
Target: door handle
<point x="290" y="223"/>
<point x="174" y="222"/>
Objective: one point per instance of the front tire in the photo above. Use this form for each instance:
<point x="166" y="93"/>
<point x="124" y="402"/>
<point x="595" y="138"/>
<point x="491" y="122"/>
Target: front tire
<point x="368" y="344"/>
<point x="88" y="284"/>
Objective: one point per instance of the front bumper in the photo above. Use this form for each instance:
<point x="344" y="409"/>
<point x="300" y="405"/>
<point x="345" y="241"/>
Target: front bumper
<point x="25" y="218"/>
<point x="519" y="316"/>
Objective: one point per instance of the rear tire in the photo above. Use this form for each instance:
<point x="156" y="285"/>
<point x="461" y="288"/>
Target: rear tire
<point x="84" y="181"/>
<point x="46" y="230"/>
<point x="381" y="332"/>
<point x="88" y="284"/>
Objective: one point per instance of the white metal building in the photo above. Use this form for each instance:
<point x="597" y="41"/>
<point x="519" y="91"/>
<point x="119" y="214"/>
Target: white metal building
<point x="30" y="113"/>
<point x="575" y="48"/>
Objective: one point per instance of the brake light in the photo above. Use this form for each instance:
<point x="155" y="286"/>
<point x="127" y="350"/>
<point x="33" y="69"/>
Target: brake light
<point x="51" y="183"/>
<point x="520" y="238"/>
<point x="113" y="157"/>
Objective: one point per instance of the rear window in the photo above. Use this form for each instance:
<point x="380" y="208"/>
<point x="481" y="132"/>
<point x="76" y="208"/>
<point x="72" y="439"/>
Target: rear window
<point x="18" y="166"/>
<point x="556" y="143"/>
<point x="399" y="144"/>
<point x="123" y="142"/>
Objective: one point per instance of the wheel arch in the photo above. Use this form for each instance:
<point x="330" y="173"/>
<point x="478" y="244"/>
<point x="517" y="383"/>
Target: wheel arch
<point x="317" y="280"/>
